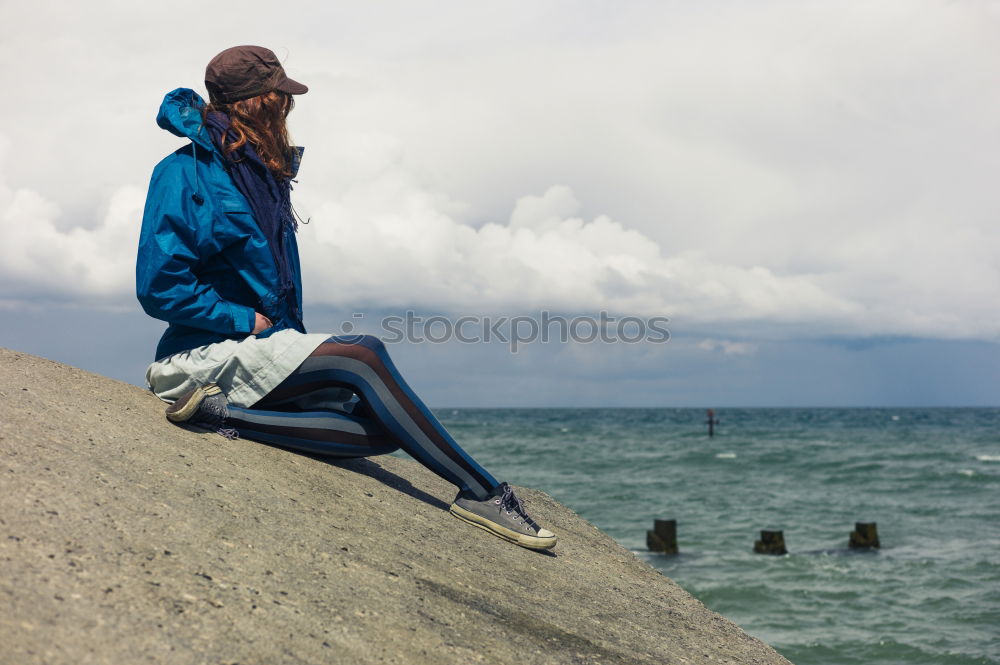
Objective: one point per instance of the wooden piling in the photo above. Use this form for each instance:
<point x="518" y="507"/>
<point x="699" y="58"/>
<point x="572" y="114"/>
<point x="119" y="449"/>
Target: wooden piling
<point x="771" y="542"/>
<point x="663" y="537"/>
<point x="864" y="536"/>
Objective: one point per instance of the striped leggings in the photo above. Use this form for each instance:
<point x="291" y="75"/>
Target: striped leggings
<point x="388" y="417"/>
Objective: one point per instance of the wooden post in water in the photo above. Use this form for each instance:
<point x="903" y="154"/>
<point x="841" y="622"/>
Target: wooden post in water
<point x="711" y="422"/>
<point x="771" y="542"/>
<point x="663" y="537"/>
<point x="864" y="536"/>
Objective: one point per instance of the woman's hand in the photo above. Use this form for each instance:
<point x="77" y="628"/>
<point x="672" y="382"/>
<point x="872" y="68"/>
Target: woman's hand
<point x="261" y="323"/>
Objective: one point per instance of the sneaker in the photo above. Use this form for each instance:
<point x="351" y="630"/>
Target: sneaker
<point x="503" y="515"/>
<point x="204" y="407"/>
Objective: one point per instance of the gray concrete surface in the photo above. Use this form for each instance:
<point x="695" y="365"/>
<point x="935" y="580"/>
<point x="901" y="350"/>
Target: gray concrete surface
<point x="125" y="539"/>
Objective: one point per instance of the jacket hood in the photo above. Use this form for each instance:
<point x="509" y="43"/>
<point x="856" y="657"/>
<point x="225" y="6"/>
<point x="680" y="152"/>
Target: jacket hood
<point x="180" y="114"/>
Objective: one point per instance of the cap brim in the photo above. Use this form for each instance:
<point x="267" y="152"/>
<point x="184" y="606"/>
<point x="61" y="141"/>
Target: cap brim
<point x="292" y="87"/>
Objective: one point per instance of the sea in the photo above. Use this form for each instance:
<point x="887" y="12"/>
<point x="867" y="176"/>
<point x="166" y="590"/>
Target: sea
<point x="928" y="478"/>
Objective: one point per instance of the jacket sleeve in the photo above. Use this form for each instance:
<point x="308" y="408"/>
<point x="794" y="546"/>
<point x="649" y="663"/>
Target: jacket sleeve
<point x="177" y="235"/>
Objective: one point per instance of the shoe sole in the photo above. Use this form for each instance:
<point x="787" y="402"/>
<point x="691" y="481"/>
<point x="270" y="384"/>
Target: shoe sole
<point x="181" y="410"/>
<point x="530" y="542"/>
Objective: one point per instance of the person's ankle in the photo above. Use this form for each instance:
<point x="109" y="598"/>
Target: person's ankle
<point x="469" y="495"/>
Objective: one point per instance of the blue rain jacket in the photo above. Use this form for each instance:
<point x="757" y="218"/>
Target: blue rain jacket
<point x="204" y="265"/>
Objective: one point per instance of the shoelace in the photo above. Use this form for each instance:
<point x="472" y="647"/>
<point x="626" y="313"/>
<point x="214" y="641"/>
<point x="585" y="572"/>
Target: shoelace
<point x="510" y="503"/>
<point x="212" y="414"/>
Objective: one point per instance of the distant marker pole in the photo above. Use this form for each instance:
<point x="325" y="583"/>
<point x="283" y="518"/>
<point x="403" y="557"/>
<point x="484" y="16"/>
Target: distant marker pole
<point x="711" y="422"/>
<point x="864" y="536"/>
<point x="663" y="537"/>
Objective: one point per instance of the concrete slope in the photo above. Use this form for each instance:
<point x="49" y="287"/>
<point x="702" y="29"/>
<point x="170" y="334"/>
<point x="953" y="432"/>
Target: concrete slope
<point x="125" y="539"/>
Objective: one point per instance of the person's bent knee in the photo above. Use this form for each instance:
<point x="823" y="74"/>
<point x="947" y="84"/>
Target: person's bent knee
<point x="373" y="341"/>
<point x="370" y="341"/>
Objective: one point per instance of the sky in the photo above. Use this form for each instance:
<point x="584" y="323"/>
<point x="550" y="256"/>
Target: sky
<point x="803" y="189"/>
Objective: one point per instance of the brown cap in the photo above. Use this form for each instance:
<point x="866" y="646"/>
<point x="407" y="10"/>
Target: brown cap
<point x="242" y="72"/>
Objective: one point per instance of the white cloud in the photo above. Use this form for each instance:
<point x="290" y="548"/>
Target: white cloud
<point x="38" y="259"/>
<point x="793" y="166"/>
<point x="387" y="242"/>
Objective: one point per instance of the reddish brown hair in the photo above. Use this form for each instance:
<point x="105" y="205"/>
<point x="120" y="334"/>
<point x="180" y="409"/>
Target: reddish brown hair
<point x="261" y="121"/>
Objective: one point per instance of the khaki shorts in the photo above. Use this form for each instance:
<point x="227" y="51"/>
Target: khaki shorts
<point x="246" y="370"/>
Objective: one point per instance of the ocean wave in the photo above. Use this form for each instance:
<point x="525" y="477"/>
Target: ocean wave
<point x="988" y="458"/>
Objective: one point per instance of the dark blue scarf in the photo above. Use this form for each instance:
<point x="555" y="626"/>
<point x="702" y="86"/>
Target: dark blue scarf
<point x="270" y="200"/>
